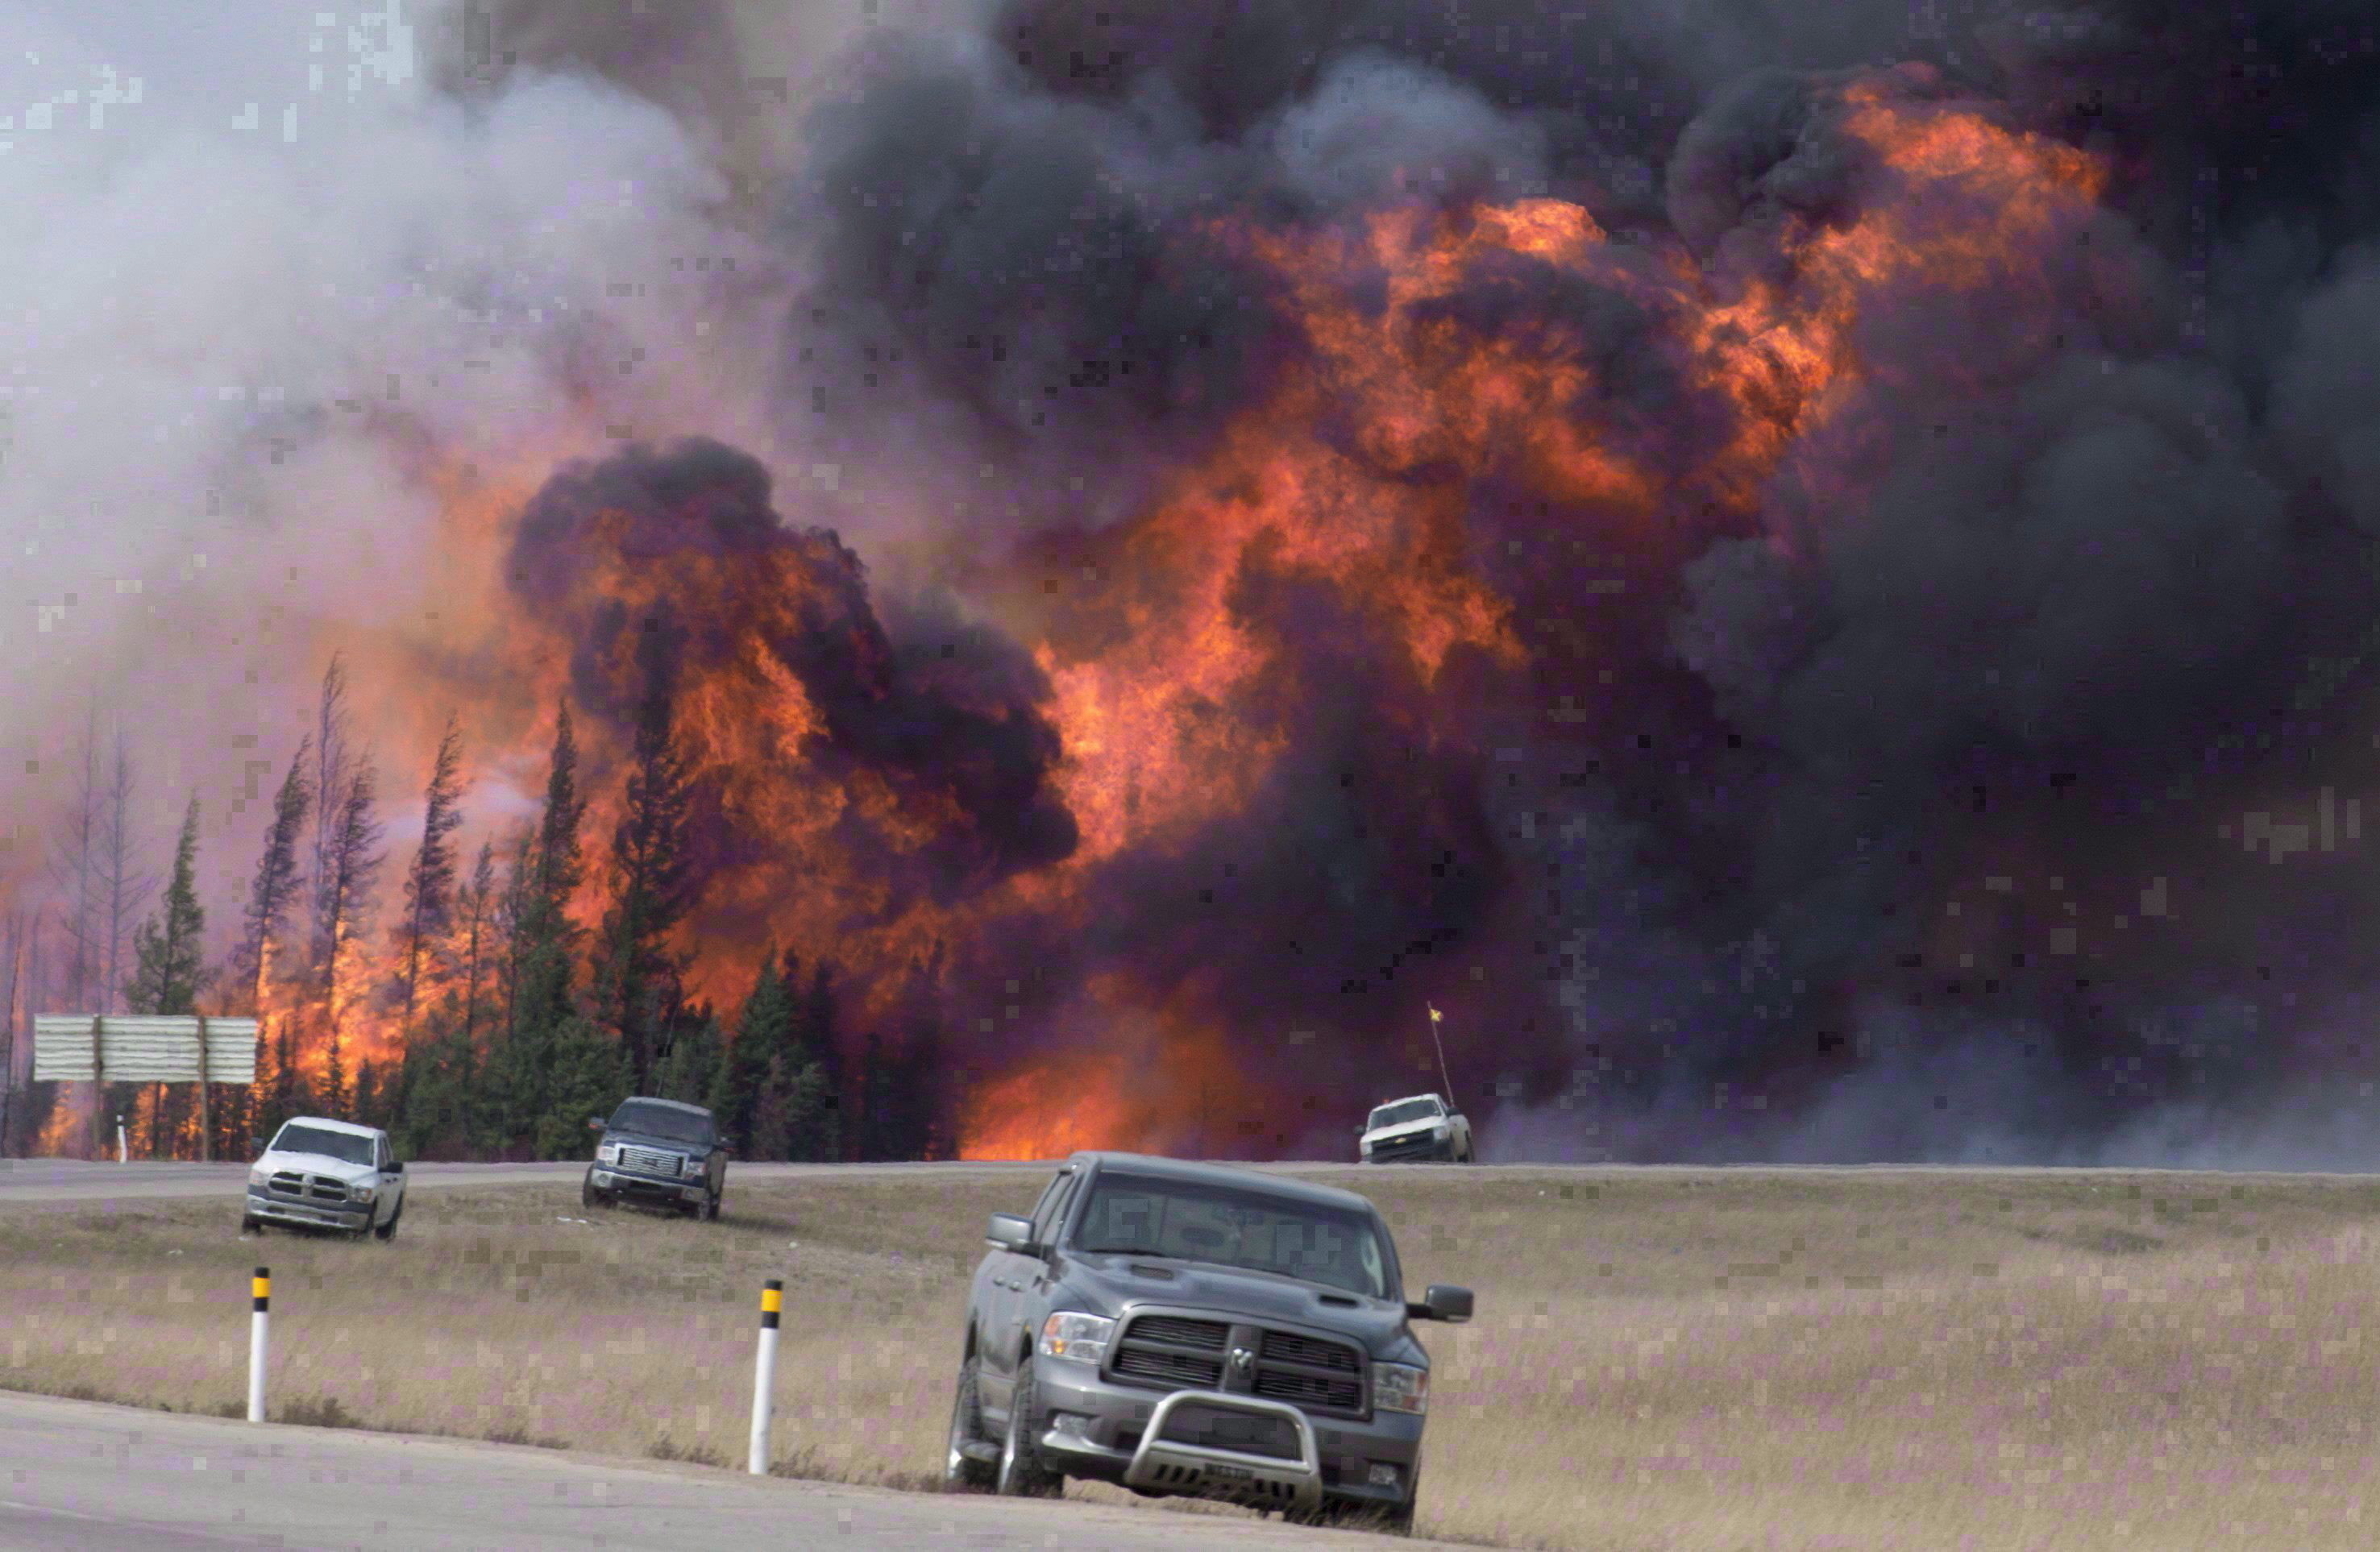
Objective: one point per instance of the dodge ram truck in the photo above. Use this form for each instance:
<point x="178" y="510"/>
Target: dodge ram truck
<point x="1411" y="1129"/>
<point x="660" y="1153"/>
<point x="1200" y="1331"/>
<point x="321" y="1174"/>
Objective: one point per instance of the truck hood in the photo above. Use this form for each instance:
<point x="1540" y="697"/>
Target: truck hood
<point x="658" y="1144"/>
<point x="1407" y="1129"/>
<point x="316" y="1164"/>
<point x="1111" y="1282"/>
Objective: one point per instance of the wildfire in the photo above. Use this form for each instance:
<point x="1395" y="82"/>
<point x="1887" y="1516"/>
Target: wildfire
<point x="868" y="799"/>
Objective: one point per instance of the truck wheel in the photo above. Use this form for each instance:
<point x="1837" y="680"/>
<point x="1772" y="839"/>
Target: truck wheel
<point x="251" y="1225"/>
<point x="388" y="1231"/>
<point x="1023" y="1473"/>
<point x="962" y="1469"/>
<point x="1400" y="1520"/>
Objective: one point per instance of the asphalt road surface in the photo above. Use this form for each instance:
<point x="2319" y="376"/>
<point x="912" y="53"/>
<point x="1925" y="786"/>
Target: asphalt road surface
<point x="77" y="1476"/>
<point x="69" y="1180"/>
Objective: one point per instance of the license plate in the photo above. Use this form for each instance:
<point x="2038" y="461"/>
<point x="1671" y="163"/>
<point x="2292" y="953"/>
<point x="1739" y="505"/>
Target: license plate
<point x="1231" y="1474"/>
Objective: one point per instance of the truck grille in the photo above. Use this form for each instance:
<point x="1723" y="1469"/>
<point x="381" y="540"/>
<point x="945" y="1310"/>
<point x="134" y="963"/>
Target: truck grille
<point x="1175" y="1352"/>
<point x="1419" y="1146"/>
<point x="320" y="1188"/>
<point x="1308" y="1372"/>
<point x="650" y="1161"/>
<point x="1168" y="1350"/>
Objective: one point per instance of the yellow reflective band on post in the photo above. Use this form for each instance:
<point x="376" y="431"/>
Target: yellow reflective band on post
<point x="261" y="1287"/>
<point x="772" y="1301"/>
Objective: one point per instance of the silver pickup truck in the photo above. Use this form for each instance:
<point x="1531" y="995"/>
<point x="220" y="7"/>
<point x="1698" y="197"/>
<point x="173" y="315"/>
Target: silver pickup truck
<point x="1197" y="1330"/>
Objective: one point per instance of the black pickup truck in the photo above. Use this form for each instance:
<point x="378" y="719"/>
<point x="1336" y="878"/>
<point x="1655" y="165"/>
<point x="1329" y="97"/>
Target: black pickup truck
<point x="661" y="1153"/>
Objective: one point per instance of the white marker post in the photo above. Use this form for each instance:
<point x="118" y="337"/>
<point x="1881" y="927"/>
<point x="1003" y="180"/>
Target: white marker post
<point x="123" y="1154"/>
<point x="261" y="1299"/>
<point x="764" y="1373"/>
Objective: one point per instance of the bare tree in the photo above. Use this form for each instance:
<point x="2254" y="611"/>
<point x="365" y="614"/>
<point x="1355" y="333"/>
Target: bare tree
<point x="352" y="862"/>
<point x="12" y="950"/>
<point x="121" y="887"/>
<point x="333" y="764"/>
<point x="75" y="849"/>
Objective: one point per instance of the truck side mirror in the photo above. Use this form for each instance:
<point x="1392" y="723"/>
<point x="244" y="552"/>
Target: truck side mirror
<point x="594" y="1123"/>
<point x="1009" y="1232"/>
<point x="1442" y="1301"/>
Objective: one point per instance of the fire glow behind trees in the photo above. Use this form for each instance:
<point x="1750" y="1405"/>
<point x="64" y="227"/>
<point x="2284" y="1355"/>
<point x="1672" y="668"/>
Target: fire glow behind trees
<point x="1809" y="585"/>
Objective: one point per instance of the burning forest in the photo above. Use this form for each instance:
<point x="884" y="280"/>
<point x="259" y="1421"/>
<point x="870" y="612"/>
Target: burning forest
<point x="1019" y="575"/>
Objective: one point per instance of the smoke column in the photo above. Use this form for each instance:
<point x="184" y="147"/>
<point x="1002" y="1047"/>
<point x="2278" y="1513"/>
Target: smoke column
<point x="1807" y="578"/>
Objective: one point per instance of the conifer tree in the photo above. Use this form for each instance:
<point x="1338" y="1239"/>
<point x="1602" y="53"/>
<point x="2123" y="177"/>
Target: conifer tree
<point x="763" y="1028"/>
<point x="168" y="966"/>
<point x="275" y="886"/>
<point x="639" y="981"/>
<point x="545" y="1039"/>
<point x="429" y="882"/>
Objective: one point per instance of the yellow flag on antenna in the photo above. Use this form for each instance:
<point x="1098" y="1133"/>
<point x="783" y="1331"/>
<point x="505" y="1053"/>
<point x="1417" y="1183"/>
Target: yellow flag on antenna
<point x="1435" y="1016"/>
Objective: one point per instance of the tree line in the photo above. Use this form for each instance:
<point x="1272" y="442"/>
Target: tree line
<point x="513" y="1022"/>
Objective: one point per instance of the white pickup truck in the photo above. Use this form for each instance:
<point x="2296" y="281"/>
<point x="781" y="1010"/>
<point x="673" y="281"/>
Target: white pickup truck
<point x="1422" y="1126"/>
<point x="321" y="1174"/>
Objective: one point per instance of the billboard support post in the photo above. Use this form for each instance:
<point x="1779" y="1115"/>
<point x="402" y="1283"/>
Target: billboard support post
<point x="206" y="1127"/>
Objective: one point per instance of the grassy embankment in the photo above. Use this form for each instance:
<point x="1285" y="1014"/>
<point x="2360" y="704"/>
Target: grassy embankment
<point x="1690" y="1362"/>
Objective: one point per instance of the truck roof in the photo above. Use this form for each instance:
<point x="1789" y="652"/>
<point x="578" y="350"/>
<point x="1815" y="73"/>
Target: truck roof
<point x="327" y="1124"/>
<point x="1224" y="1174"/>
<point x="665" y="1104"/>
<point x="1410" y="1099"/>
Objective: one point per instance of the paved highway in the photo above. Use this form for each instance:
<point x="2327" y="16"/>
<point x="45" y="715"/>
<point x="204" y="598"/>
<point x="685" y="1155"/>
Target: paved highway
<point x="76" y="1476"/>
<point x="68" y="1180"/>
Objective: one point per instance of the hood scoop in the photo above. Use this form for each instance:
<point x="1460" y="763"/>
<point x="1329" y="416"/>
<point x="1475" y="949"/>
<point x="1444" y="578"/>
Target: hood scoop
<point x="1162" y="1273"/>
<point x="1339" y="1299"/>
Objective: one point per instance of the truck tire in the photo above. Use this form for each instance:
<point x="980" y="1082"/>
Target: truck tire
<point x="1023" y="1474"/>
<point x="962" y="1471"/>
<point x="388" y="1231"/>
<point x="248" y="1225"/>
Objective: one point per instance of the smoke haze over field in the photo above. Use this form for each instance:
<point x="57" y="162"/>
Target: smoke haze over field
<point x="1805" y="573"/>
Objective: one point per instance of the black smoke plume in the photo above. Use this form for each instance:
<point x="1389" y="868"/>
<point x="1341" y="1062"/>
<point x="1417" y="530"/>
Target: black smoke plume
<point x="1991" y="782"/>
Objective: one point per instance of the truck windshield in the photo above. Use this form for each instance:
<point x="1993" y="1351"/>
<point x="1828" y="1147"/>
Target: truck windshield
<point x="1141" y="1215"/>
<point x="662" y="1120"/>
<point x="344" y="1145"/>
<point x="1405" y="1110"/>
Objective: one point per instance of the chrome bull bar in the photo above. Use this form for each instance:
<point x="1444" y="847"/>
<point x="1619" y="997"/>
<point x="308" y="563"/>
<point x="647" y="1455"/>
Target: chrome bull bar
<point x="1178" y="1466"/>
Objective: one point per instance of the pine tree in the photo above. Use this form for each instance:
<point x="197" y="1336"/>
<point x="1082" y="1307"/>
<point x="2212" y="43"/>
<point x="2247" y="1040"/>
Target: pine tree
<point x="169" y="972"/>
<point x="275" y="886"/>
<point x="430" y="883"/>
<point x="763" y="1030"/>
<point x="338" y="1099"/>
<point x="691" y="1069"/>
<point x="638" y="982"/>
<point x="822" y="1036"/>
<point x="367" y="1107"/>
<point x="548" y="1054"/>
<point x="479" y="910"/>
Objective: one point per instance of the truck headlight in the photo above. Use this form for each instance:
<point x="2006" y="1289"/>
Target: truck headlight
<point x="1439" y="1129"/>
<point x="260" y="1178"/>
<point x="361" y="1193"/>
<point x="1400" y="1387"/>
<point x="608" y="1153"/>
<point x="1082" y="1338"/>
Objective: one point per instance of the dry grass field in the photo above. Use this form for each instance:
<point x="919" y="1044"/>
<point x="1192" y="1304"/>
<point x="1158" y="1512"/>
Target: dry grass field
<point x="1672" y="1360"/>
